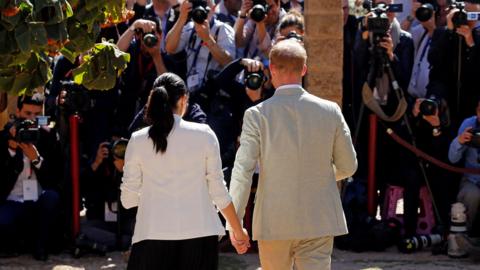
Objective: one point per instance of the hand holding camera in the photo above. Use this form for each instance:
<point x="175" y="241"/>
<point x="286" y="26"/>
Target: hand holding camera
<point x="203" y="31"/>
<point x="102" y="153"/>
<point x="466" y="136"/>
<point x="254" y="77"/>
<point x="428" y="109"/>
<point x="150" y="34"/>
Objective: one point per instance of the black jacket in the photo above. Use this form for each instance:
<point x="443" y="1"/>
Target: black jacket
<point x="50" y="172"/>
<point x="443" y="58"/>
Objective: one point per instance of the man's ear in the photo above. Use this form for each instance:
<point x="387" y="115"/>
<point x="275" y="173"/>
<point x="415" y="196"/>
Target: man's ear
<point x="304" y="70"/>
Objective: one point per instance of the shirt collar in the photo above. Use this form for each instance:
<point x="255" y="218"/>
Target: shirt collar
<point x="289" y="89"/>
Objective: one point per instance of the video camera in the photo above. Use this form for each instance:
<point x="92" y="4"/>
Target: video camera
<point x="378" y="23"/>
<point x="199" y="11"/>
<point x="259" y="10"/>
<point x="150" y="39"/>
<point x="426" y="10"/>
<point x="27" y="131"/>
<point x="461" y="17"/>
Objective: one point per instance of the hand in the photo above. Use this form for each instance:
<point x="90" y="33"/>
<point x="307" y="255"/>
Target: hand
<point x="466" y="32"/>
<point x="185" y="9"/>
<point x="12" y="144"/>
<point x="251" y="65"/>
<point x="29" y="150"/>
<point x="102" y="153"/>
<point x="449" y="18"/>
<point x="387" y="43"/>
<point x="433" y="120"/>
<point x="146" y="26"/>
<point x="203" y="30"/>
<point x="240" y="241"/>
<point x="416" y="107"/>
<point x="466" y="136"/>
<point x="246" y="6"/>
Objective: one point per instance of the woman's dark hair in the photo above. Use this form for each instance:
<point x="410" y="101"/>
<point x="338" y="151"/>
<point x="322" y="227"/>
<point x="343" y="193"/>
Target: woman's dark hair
<point x="168" y="88"/>
<point x="292" y="18"/>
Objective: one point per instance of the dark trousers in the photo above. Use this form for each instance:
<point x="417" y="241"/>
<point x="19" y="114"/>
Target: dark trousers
<point x="29" y="221"/>
<point x="190" y="254"/>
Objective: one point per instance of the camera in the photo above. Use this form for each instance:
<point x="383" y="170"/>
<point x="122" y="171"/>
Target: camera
<point x="27" y="131"/>
<point x="428" y="107"/>
<point x="426" y="10"/>
<point x="259" y="10"/>
<point x="199" y="11"/>
<point x="475" y="141"/>
<point x="150" y="39"/>
<point x="117" y="148"/>
<point x="409" y="245"/>
<point x="458" y="225"/>
<point x="76" y="98"/>
<point x="254" y="80"/>
<point x="459" y="18"/>
<point x="379" y="24"/>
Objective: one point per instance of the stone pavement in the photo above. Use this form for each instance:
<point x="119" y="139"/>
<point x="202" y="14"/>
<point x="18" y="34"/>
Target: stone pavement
<point x="341" y="260"/>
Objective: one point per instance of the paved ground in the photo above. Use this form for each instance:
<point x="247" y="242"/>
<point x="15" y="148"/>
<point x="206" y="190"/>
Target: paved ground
<point x="341" y="260"/>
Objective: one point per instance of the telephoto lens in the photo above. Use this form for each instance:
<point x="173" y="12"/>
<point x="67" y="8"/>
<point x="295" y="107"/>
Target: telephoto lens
<point x="458" y="225"/>
<point x="259" y="10"/>
<point x="199" y="11"/>
<point x="409" y="245"/>
<point x="150" y="40"/>
<point x="424" y="12"/>
<point x="254" y="80"/>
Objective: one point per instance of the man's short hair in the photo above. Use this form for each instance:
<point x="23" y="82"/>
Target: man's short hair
<point x="289" y="56"/>
<point x="34" y="99"/>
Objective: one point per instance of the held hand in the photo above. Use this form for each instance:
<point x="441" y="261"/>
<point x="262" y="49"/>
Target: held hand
<point x="102" y="153"/>
<point x="246" y="6"/>
<point x="415" y="6"/>
<point x="203" y="30"/>
<point x="433" y="120"/>
<point x="252" y="65"/>
<point x="240" y="240"/>
<point x="466" y="136"/>
<point x="416" y="107"/>
<point x="449" y="18"/>
<point x="29" y="150"/>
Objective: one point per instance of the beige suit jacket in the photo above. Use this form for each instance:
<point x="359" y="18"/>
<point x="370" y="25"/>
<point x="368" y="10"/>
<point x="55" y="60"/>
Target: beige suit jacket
<point x="303" y="145"/>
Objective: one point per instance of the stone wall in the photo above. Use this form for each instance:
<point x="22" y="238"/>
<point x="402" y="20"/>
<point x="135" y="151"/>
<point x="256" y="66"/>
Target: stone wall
<point x="324" y="43"/>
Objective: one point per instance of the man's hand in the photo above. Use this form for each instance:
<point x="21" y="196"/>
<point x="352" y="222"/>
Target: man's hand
<point x="240" y="241"/>
<point x="466" y="136"/>
<point x="119" y="163"/>
<point x="246" y="6"/>
<point x="12" y="144"/>
<point x="146" y="26"/>
<point x="203" y="30"/>
<point x="29" y="150"/>
<point x="102" y="153"/>
<point x="449" y="18"/>
<point x="251" y="65"/>
<point x="387" y="43"/>
<point x="185" y="9"/>
<point x="466" y="32"/>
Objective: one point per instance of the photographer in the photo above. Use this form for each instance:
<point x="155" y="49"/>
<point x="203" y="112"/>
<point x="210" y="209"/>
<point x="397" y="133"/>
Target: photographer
<point x="252" y="32"/>
<point x="209" y="44"/>
<point x="31" y="168"/>
<point x="454" y="60"/>
<point x="142" y="42"/>
<point x="466" y="147"/>
<point x="100" y="182"/>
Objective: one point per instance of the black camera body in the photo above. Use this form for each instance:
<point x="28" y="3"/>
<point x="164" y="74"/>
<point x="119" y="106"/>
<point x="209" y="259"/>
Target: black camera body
<point x="460" y="17"/>
<point x="254" y="80"/>
<point x="379" y="24"/>
<point x="27" y="131"/>
<point x="259" y="10"/>
<point x="475" y="141"/>
<point x="428" y="107"/>
<point x="426" y="10"/>
<point x="199" y="11"/>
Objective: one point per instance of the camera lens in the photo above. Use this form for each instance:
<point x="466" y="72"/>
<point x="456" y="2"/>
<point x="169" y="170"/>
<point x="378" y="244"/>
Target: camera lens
<point x="428" y="107"/>
<point x="150" y="40"/>
<point x="199" y="14"/>
<point x="254" y="80"/>
<point x="459" y="18"/>
<point x="258" y="13"/>
<point x="424" y="13"/>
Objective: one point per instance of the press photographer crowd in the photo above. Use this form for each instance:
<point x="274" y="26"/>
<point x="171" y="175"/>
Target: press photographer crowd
<point x="409" y="100"/>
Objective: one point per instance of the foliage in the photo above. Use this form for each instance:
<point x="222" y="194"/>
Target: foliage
<point x="32" y="31"/>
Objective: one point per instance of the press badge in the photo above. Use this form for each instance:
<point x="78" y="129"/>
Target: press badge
<point x="110" y="214"/>
<point x="193" y="80"/>
<point x="30" y="190"/>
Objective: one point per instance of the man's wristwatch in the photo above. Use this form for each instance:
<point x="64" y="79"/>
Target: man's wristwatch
<point x="37" y="161"/>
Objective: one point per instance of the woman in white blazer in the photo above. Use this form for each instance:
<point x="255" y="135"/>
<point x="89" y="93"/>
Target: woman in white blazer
<point x="173" y="174"/>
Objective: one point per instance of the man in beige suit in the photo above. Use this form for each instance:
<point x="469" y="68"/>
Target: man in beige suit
<point x="303" y="146"/>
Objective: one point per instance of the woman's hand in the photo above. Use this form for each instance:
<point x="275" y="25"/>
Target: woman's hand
<point x="240" y="240"/>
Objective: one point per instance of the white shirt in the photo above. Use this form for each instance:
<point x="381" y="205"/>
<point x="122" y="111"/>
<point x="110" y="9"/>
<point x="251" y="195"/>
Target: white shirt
<point x="174" y="190"/>
<point x="421" y="67"/>
<point x="27" y="174"/>
<point x="190" y="42"/>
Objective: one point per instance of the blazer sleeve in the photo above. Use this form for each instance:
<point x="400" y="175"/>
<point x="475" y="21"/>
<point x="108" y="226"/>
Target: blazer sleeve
<point x="344" y="156"/>
<point x="247" y="156"/>
<point x="214" y="174"/>
<point x="132" y="176"/>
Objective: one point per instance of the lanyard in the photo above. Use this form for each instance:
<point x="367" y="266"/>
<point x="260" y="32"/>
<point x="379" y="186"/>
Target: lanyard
<point x="191" y="44"/>
<point x="424" y="50"/>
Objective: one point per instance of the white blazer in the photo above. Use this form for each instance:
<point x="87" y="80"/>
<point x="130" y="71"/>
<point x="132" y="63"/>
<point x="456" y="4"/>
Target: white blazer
<point x="174" y="190"/>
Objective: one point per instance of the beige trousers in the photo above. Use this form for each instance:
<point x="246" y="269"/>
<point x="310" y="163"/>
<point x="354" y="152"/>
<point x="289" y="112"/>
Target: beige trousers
<point x="306" y="254"/>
